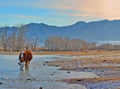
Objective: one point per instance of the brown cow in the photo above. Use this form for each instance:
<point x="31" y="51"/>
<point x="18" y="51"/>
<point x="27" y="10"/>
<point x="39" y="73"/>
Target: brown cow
<point x="25" y="57"/>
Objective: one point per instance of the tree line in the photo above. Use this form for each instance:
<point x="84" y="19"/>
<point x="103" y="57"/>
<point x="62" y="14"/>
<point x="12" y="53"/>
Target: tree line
<point x="65" y="44"/>
<point x="17" y="40"/>
<point x="108" y="46"/>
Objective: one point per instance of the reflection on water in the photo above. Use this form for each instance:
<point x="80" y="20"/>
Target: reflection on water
<point x="25" y="75"/>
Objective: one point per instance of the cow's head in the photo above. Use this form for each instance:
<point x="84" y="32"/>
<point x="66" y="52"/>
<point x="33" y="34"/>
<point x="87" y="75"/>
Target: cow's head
<point x="22" y="56"/>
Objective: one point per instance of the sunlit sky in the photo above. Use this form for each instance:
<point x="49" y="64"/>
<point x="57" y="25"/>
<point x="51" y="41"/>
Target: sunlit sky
<point x="57" y="12"/>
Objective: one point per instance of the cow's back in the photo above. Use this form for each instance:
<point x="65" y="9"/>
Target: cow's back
<point x="28" y="55"/>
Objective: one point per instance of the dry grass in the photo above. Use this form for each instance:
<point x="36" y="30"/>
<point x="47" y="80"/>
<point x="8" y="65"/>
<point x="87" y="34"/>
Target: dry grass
<point x="95" y="52"/>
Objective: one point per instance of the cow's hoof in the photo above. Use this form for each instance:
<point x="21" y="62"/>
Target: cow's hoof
<point x="21" y="69"/>
<point x="19" y="63"/>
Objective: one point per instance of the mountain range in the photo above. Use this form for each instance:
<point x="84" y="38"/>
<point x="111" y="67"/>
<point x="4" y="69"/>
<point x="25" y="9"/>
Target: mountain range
<point x="94" y="31"/>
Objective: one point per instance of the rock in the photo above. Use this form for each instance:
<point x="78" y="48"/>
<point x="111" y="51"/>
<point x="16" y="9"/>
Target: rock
<point x="28" y="79"/>
<point x="46" y="62"/>
<point x="0" y="82"/>
<point x="51" y="74"/>
<point x="68" y="72"/>
<point x="85" y="67"/>
<point x="79" y="80"/>
<point x="105" y="60"/>
<point x="40" y="88"/>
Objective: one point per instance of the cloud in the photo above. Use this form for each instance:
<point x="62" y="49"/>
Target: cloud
<point x="26" y="16"/>
<point x="20" y="16"/>
<point x="107" y="9"/>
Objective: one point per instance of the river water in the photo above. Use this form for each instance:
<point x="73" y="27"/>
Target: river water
<point x="40" y="75"/>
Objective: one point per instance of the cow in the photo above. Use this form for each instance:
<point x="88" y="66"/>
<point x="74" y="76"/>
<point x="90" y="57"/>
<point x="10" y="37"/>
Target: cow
<point x="24" y="59"/>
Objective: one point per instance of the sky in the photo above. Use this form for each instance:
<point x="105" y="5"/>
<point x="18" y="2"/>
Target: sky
<point x="57" y="12"/>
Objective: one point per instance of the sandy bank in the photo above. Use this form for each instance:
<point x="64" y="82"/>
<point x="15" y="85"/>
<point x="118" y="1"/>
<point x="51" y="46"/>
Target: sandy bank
<point x="105" y="65"/>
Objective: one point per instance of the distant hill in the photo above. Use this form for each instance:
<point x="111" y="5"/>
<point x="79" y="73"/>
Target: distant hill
<point x="103" y="30"/>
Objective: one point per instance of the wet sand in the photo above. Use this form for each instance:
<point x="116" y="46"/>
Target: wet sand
<point x="105" y="65"/>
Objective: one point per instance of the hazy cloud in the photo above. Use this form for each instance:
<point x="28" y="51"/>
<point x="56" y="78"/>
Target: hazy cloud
<point x="20" y="16"/>
<point x="27" y="16"/>
<point x="109" y="9"/>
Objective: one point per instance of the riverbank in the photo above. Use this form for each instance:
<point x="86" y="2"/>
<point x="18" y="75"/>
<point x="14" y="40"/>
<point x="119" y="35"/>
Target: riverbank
<point x="106" y="65"/>
<point x="94" y="52"/>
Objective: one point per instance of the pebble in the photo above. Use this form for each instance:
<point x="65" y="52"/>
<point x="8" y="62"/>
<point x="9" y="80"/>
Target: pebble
<point x="46" y="62"/>
<point x="29" y="79"/>
<point x="0" y="82"/>
<point x="68" y="72"/>
<point x="51" y="74"/>
<point x="40" y="88"/>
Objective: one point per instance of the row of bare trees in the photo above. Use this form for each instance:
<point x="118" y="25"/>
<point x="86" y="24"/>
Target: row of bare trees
<point x="16" y="40"/>
<point x="107" y="46"/>
<point x="65" y="44"/>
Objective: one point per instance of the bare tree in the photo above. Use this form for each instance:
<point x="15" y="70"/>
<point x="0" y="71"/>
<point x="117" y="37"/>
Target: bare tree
<point x="66" y="44"/>
<point x="21" y="38"/>
<point x="12" y="41"/>
<point x="4" y="39"/>
<point x="76" y="44"/>
<point x="32" y="43"/>
<point x="52" y="43"/>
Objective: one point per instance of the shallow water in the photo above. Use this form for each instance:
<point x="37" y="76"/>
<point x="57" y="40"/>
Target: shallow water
<point x="40" y="75"/>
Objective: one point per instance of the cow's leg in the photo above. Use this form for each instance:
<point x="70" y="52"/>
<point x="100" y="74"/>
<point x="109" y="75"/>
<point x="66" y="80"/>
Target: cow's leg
<point x="27" y="65"/>
<point x="21" y="66"/>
